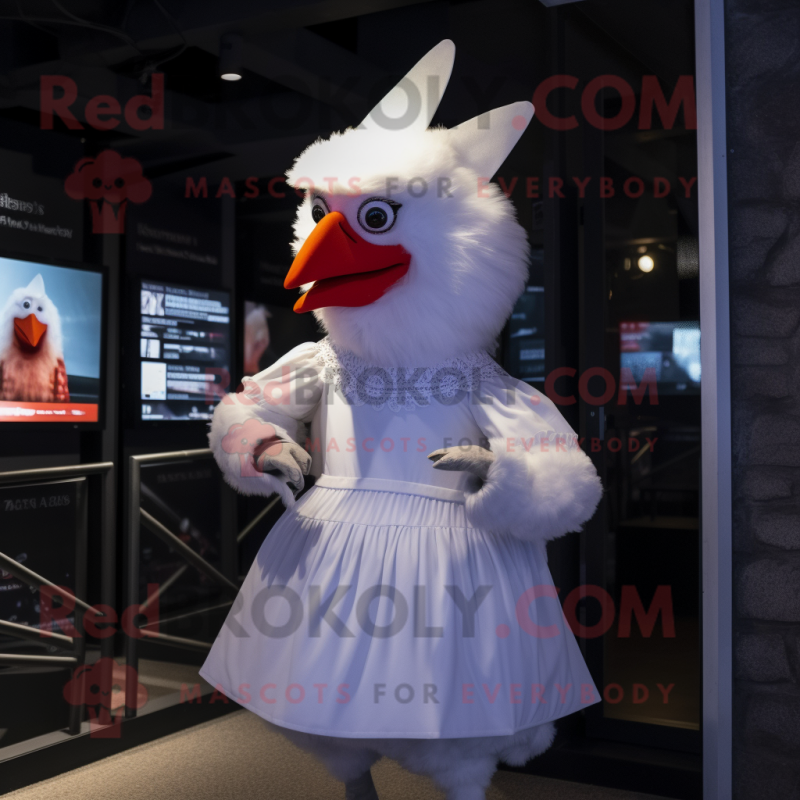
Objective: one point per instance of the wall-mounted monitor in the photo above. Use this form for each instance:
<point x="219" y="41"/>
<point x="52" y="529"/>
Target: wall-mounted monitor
<point x="51" y="343"/>
<point x="184" y="350"/>
<point x="668" y="352"/>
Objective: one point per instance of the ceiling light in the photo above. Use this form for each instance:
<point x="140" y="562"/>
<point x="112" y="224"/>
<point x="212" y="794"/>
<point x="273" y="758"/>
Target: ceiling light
<point x="646" y="264"/>
<point x="230" y="57"/>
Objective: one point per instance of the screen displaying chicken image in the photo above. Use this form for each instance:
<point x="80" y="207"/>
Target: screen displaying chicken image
<point x="184" y="347"/>
<point x="50" y="342"/>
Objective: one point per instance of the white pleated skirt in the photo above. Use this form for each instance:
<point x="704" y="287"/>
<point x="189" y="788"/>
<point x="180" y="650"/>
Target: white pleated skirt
<point x="374" y="609"/>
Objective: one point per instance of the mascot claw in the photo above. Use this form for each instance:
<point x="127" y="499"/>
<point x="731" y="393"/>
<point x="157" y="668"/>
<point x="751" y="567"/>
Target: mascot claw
<point x="285" y="460"/>
<point x="474" y="459"/>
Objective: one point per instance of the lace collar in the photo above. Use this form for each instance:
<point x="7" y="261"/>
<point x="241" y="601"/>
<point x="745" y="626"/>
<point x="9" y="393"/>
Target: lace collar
<point x="403" y="387"/>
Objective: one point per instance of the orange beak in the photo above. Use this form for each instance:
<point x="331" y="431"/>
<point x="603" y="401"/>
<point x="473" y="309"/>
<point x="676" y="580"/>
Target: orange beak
<point x="346" y="270"/>
<point x="29" y="330"/>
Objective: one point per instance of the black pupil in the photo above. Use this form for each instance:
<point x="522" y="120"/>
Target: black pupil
<point x="119" y="183"/>
<point x="376" y="218"/>
<point x="317" y="213"/>
<point x="97" y="182"/>
<point x="26" y="304"/>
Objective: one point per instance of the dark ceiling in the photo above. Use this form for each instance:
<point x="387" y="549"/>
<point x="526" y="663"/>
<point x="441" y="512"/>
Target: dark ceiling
<point x="309" y="66"/>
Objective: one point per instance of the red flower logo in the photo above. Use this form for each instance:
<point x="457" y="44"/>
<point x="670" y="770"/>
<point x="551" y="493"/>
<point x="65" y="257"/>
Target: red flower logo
<point x="108" y="182"/>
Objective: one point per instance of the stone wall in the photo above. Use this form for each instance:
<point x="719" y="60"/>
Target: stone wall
<point x="763" y="100"/>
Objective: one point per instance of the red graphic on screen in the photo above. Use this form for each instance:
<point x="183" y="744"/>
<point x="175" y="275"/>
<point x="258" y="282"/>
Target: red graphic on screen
<point x="101" y="687"/>
<point x="108" y="181"/>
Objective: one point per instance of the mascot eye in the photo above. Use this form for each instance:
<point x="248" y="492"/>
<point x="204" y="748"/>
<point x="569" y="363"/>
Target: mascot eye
<point x="119" y="183"/>
<point x="318" y="209"/>
<point x="40" y="309"/>
<point x="26" y="304"/>
<point x="97" y="183"/>
<point x="376" y="215"/>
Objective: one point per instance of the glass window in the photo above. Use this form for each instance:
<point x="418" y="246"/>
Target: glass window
<point x="609" y="328"/>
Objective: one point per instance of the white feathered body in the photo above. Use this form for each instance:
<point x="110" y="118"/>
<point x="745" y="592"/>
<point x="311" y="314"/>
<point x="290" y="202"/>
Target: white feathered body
<point x="468" y="264"/>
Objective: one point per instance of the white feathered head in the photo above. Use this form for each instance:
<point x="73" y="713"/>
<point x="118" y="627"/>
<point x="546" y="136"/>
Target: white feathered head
<point x="404" y="251"/>
<point x="30" y="321"/>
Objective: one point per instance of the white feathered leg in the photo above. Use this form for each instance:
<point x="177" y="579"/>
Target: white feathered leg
<point x="348" y="760"/>
<point x="465" y="776"/>
<point x="458" y="766"/>
<point x="524" y="745"/>
<point x="462" y="767"/>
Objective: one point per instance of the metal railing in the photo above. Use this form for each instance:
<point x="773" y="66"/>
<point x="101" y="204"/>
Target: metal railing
<point x="137" y="516"/>
<point x="79" y="474"/>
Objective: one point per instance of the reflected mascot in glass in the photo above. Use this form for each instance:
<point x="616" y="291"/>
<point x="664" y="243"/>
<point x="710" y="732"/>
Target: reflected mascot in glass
<point x="403" y="606"/>
<point x="31" y="352"/>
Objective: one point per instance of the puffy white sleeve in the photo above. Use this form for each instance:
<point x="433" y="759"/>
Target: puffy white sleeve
<point x="541" y="485"/>
<point x="273" y="405"/>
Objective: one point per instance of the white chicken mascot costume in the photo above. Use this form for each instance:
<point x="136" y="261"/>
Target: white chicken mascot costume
<point x="31" y="353"/>
<point x="403" y="606"/>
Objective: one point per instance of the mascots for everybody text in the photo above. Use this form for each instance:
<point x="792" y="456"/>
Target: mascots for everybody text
<point x="403" y="606"/>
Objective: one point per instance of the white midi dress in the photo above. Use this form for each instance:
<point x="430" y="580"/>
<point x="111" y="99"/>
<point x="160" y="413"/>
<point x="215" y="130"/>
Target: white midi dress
<point x="374" y="608"/>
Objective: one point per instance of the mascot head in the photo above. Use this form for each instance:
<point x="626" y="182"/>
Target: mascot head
<point x="30" y="321"/>
<point x="404" y="251"/>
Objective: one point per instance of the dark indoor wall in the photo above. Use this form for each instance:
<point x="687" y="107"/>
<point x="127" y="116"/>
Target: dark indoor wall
<point x="762" y="54"/>
<point x="235" y="134"/>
